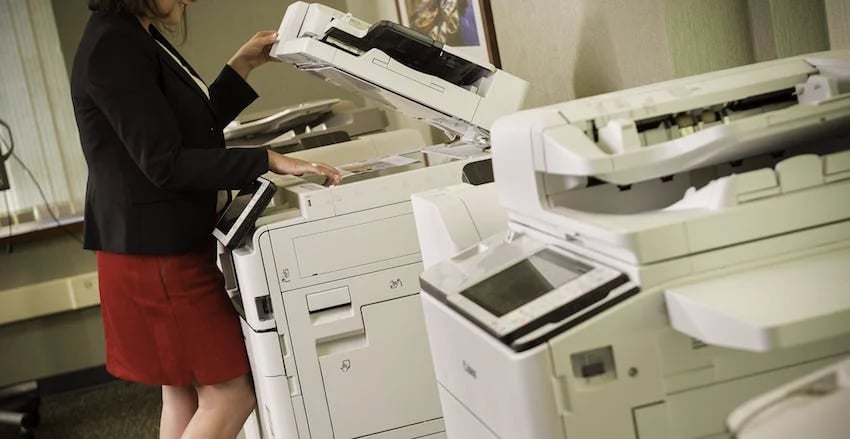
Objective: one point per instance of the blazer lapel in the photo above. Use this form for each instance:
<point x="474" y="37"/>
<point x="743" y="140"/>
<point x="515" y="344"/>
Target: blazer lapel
<point x="181" y="72"/>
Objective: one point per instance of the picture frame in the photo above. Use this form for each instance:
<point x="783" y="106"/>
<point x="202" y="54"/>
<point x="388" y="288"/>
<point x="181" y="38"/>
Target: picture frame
<point x="463" y="24"/>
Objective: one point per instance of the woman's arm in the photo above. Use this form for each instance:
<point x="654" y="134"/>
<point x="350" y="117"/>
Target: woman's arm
<point x="230" y="93"/>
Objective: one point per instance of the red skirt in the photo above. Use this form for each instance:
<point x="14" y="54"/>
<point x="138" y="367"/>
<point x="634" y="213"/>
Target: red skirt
<point x="168" y="321"/>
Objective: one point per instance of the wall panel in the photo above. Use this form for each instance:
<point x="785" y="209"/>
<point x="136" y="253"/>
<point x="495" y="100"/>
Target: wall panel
<point x="707" y="35"/>
<point x="569" y="49"/>
<point x="838" y="20"/>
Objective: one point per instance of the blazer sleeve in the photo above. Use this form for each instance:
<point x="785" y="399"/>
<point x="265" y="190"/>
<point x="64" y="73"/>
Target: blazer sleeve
<point x="123" y="75"/>
<point x="229" y="95"/>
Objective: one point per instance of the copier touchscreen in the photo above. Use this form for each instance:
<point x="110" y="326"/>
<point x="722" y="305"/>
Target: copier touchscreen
<point x="523" y="282"/>
<point x="546" y="287"/>
<point x="242" y="211"/>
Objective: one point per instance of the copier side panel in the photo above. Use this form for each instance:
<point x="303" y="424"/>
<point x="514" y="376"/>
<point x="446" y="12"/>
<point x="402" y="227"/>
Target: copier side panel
<point x="485" y="382"/>
<point x="280" y="407"/>
<point x="253" y="269"/>
<point x="275" y="413"/>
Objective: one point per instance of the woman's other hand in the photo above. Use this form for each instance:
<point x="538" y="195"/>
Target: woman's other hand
<point x="281" y="164"/>
<point x="254" y="53"/>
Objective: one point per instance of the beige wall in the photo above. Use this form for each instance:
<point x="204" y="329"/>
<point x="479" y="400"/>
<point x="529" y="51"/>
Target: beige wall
<point x="838" y="19"/>
<point x="43" y="260"/>
<point x="783" y="28"/>
<point x="576" y="48"/>
<point x="56" y="344"/>
<point x="49" y="346"/>
<point x="581" y="47"/>
<point x="697" y="43"/>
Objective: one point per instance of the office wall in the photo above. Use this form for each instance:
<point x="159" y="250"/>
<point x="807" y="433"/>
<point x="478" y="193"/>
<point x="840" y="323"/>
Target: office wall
<point x="838" y="20"/>
<point x="783" y="28"/>
<point x="43" y="260"/>
<point x="696" y="42"/>
<point x="50" y="345"/>
<point x="576" y="48"/>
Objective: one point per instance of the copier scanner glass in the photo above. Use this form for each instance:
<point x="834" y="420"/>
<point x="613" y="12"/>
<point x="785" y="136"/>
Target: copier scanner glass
<point x="523" y="282"/>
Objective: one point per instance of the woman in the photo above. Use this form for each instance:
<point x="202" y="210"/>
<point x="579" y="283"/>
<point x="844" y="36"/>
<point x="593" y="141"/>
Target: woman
<point x="151" y="133"/>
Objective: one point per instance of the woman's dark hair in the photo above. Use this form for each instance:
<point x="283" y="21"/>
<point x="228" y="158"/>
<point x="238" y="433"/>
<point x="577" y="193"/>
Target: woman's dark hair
<point x="139" y="8"/>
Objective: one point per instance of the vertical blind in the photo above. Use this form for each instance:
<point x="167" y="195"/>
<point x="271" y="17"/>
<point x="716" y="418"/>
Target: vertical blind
<point x="35" y="102"/>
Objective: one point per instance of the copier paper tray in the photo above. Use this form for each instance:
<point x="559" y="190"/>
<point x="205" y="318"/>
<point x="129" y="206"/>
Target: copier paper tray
<point x="767" y="308"/>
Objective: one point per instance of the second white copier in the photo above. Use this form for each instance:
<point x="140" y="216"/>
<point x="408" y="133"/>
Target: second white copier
<point x="672" y="251"/>
<point x="305" y="125"/>
<point x="327" y="281"/>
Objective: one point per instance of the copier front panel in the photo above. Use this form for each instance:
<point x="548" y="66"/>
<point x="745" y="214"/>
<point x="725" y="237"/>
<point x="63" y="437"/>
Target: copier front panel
<point x="339" y="347"/>
<point x="348" y="320"/>
<point x="362" y="353"/>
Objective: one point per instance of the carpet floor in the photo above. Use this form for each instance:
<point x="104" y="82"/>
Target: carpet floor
<point x="110" y="411"/>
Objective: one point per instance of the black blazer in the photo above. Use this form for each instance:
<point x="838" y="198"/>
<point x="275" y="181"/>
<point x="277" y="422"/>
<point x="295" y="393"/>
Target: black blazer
<point x="153" y="141"/>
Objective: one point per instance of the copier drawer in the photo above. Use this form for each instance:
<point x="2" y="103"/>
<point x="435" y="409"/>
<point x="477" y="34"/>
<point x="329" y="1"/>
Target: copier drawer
<point x="387" y="383"/>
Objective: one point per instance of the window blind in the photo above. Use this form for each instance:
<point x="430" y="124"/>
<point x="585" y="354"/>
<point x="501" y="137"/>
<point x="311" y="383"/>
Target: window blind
<point x="35" y="102"/>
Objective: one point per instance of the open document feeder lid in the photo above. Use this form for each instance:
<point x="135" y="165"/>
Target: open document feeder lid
<point x="773" y="307"/>
<point x="400" y="69"/>
<point x="420" y="53"/>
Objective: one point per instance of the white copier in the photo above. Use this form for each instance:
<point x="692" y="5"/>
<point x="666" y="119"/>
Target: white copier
<point x="672" y="251"/>
<point x="327" y="282"/>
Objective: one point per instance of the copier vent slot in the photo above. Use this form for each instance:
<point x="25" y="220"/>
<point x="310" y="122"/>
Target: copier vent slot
<point x="264" y="307"/>
<point x="596" y="366"/>
<point x="478" y="172"/>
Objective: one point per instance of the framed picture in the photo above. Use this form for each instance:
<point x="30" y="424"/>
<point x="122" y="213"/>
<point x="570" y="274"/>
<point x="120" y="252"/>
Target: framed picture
<point x="465" y="24"/>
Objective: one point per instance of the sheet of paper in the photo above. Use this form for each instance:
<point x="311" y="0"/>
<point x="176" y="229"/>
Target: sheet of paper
<point x="398" y="160"/>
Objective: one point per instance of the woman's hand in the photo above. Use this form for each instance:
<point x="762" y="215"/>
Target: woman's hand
<point x="254" y="53"/>
<point x="281" y="164"/>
